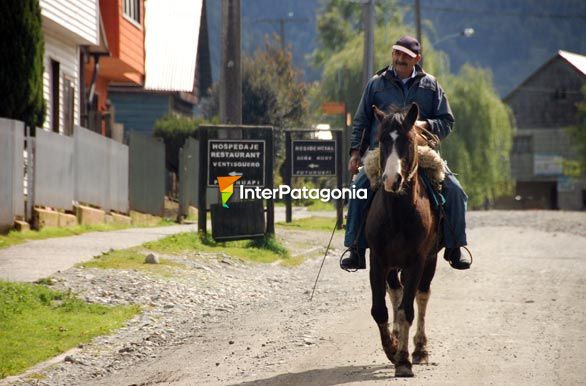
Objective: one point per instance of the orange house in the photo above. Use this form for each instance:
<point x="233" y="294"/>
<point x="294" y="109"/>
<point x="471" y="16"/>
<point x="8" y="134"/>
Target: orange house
<point x="119" y="59"/>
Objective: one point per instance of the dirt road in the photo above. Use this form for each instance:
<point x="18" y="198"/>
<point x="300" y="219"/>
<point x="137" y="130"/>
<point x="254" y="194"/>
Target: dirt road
<point x="516" y="318"/>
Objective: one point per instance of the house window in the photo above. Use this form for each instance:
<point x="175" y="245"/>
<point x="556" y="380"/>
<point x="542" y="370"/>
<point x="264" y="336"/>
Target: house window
<point x="522" y="144"/>
<point x="131" y="9"/>
<point x="68" y="105"/>
<point x="55" y="71"/>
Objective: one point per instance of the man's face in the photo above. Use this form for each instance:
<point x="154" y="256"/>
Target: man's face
<point x="403" y="64"/>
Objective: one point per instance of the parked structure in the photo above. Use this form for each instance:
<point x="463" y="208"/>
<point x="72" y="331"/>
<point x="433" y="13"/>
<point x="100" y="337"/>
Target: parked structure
<point x="544" y="105"/>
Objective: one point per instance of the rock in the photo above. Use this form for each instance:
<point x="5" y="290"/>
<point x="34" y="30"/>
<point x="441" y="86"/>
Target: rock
<point x="151" y="258"/>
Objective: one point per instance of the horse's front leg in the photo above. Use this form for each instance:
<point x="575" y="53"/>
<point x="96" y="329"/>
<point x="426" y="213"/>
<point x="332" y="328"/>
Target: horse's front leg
<point x="395" y="290"/>
<point x="379" y="310"/>
<point x="405" y="317"/>
<point x="420" y="354"/>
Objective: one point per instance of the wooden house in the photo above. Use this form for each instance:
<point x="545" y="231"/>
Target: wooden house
<point x="119" y="58"/>
<point x="177" y="66"/>
<point x="543" y="159"/>
<point x="67" y="25"/>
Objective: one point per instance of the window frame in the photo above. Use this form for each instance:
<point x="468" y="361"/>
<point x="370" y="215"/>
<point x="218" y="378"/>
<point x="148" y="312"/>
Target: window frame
<point x="131" y="11"/>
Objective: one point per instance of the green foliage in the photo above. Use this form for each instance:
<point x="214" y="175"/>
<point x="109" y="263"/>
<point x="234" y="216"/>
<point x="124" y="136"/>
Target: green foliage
<point x="578" y="135"/>
<point x="340" y="21"/>
<point x="37" y="323"/>
<point x="21" y="67"/>
<point x="479" y="147"/>
<point x="271" y="94"/>
<point x="174" y="130"/>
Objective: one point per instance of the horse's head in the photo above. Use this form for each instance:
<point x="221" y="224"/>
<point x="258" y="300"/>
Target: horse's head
<point x="398" y="147"/>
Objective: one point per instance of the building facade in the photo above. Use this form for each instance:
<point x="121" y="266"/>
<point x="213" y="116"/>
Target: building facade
<point x="67" y="25"/>
<point x="543" y="160"/>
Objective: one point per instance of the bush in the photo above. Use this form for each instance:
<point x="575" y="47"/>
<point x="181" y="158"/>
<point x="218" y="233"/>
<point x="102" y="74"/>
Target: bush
<point x="174" y="130"/>
<point x="21" y="68"/>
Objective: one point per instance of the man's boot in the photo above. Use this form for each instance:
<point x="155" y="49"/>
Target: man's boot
<point x="356" y="260"/>
<point x="456" y="259"/>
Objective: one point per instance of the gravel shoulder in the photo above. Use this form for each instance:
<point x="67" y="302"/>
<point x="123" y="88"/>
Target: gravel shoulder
<point x="515" y="318"/>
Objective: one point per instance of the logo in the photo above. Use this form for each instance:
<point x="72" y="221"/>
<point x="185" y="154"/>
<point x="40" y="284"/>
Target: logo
<point x="226" y="186"/>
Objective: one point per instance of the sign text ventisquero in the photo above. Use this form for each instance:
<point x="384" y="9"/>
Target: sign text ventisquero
<point x="244" y="158"/>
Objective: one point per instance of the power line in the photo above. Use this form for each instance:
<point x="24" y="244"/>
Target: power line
<point x="500" y="13"/>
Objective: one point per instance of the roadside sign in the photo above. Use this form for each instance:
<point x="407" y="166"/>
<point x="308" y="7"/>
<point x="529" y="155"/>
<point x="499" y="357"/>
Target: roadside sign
<point x="313" y="158"/>
<point x="333" y="108"/>
<point x="242" y="157"/>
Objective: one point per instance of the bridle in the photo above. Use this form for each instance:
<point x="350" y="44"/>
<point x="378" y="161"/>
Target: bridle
<point x="414" y="163"/>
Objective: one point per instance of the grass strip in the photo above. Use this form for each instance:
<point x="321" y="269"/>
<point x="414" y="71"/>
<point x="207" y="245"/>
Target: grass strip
<point x="265" y="250"/>
<point x="15" y="237"/>
<point x="37" y="323"/>
<point x="131" y="259"/>
<point x="311" y="224"/>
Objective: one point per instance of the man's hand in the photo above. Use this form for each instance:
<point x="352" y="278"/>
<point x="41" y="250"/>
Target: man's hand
<point x="422" y="124"/>
<point x="354" y="162"/>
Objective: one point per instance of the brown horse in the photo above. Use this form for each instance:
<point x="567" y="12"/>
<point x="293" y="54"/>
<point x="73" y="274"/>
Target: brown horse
<point x="402" y="233"/>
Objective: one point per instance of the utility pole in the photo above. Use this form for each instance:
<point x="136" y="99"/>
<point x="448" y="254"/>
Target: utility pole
<point x="418" y="25"/>
<point x="231" y="73"/>
<point x="282" y="21"/>
<point x="368" y="58"/>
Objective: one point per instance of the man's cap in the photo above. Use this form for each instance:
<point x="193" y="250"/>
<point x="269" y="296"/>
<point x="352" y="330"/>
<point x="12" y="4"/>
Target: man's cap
<point x="409" y="45"/>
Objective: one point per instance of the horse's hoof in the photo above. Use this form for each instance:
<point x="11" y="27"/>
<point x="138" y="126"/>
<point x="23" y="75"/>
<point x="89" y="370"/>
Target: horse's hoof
<point x="403" y="371"/>
<point x="420" y="357"/>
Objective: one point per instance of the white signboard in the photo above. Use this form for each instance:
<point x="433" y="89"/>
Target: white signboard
<point x="548" y="165"/>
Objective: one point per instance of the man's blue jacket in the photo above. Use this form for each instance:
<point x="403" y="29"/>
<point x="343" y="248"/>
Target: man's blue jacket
<point x="385" y="90"/>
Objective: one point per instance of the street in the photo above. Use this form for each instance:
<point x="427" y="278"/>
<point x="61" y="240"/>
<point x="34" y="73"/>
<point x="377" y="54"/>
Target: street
<point x="516" y="318"/>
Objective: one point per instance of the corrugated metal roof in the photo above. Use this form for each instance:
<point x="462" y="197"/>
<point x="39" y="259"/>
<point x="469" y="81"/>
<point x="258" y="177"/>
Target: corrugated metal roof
<point x="171" y="38"/>
<point x="576" y="60"/>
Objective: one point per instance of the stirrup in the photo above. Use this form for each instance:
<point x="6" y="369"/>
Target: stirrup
<point x="350" y="250"/>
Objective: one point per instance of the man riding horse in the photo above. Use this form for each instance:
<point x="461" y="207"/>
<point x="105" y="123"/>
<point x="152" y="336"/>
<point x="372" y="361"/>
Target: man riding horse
<point x="400" y="85"/>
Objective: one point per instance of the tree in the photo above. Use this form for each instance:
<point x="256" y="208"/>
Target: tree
<point x="21" y="67"/>
<point x="339" y="21"/>
<point x="270" y="91"/>
<point x="478" y="149"/>
<point x="271" y="94"/>
<point x="340" y="50"/>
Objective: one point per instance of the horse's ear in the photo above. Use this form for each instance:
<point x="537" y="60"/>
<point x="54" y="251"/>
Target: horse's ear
<point x="378" y="113"/>
<point x="411" y="117"/>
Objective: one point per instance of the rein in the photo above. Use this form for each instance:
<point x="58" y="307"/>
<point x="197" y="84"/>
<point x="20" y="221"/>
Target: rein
<point x="415" y="165"/>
